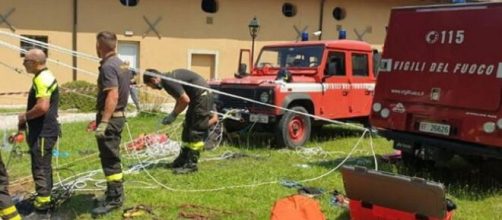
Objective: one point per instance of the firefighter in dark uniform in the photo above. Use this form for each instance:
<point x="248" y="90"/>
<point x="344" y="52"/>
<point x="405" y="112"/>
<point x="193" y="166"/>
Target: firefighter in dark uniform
<point x="43" y="128"/>
<point x="7" y="209"/>
<point x="113" y="91"/>
<point x="198" y="117"/>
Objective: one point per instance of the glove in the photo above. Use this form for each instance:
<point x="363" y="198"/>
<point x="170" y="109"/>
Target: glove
<point x="169" y="118"/>
<point x="16" y="138"/>
<point x="100" y="130"/>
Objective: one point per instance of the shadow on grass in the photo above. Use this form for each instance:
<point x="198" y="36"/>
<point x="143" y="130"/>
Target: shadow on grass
<point x="249" y="140"/>
<point x="366" y="161"/>
<point x="71" y="209"/>
<point x="162" y="165"/>
<point x="461" y="179"/>
<point x="330" y="132"/>
<point x="257" y="138"/>
<point x="344" y="216"/>
<point x="76" y="206"/>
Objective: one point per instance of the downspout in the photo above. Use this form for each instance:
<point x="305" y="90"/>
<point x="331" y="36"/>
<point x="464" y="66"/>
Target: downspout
<point x="74" y="39"/>
<point x="321" y="18"/>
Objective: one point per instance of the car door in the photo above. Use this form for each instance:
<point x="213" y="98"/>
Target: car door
<point x="362" y="84"/>
<point x="335" y="84"/>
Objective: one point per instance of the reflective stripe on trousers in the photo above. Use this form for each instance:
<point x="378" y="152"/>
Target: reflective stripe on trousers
<point x="10" y="213"/>
<point x="115" y="177"/>
<point x="41" y="200"/>
<point x="196" y="146"/>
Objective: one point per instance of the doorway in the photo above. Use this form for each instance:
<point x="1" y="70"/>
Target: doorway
<point x="129" y="52"/>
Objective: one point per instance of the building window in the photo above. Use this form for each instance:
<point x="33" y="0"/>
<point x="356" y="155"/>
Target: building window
<point x="360" y="64"/>
<point x="30" y="45"/>
<point x="339" y="13"/>
<point x="209" y="6"/>
<point x="129" y="3"/>
<point x="288" y="10"/>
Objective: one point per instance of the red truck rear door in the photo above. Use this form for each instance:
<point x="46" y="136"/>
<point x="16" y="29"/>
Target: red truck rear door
<point x="446" y="56"/>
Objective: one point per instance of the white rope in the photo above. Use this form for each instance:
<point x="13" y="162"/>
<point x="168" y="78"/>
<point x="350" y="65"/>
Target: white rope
<point x="181" y="82"/>
<point x="230" y="95"/>
<point x="13" y="47"/>
<point x="252" y="100"/>
<point x="243" y="185"/>
<point x="47" y="46"/>
<point x="6" y="146"/>
<point x="89" y="73"/>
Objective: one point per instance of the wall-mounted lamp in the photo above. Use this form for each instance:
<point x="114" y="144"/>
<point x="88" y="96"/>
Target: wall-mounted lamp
<point x="129" y="33"/>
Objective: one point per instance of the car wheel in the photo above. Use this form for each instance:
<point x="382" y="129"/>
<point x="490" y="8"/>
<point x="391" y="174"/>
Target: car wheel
<point x="293" y="130"/>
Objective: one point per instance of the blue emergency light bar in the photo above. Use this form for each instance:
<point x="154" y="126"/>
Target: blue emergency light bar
<point x="342" y="34"/>
<point x="305" y="36"/>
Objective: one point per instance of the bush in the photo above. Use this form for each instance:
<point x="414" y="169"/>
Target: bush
<point x="79" y="95"/>
<point x="152" y="100"/>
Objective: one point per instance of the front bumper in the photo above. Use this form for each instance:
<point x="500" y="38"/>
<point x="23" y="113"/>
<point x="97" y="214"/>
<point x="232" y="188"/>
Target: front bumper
<point x="245" y="116"/>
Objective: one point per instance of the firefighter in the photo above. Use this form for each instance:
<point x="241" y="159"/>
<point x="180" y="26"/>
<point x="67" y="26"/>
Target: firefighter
<point x="7" y="209"/>
<point x="133" y="90"/>
<point x="198" y="117"/>
<point x="113" y="91"/>
<point x="43" y="128"/>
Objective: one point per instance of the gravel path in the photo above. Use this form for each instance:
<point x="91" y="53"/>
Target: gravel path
<point x="9" y="121"/>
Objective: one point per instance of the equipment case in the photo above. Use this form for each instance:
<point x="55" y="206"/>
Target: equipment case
<point x="378" y="195"/>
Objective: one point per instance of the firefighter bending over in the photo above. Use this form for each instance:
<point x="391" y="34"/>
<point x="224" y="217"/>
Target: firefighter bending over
<point x="198" y="117"/>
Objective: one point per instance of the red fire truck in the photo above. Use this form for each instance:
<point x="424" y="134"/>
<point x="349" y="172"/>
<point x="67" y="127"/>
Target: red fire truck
<point x="440" y="83"/>
<point x="331" y="79"/>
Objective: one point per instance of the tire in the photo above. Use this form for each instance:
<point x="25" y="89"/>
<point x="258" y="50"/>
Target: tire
<point x="293" y="130"/>
<point x="413" y="161"/>
<point x="409" y="159"/>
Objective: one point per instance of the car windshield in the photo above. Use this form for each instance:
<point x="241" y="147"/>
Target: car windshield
<point x="280" y="57"/>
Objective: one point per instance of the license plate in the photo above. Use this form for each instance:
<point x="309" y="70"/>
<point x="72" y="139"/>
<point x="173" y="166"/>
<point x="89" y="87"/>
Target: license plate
<point x="258" y="118"/>
<point x="435" y="128"/>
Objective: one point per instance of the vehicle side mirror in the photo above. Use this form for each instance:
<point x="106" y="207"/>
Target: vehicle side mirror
<point x="241" y="71"/>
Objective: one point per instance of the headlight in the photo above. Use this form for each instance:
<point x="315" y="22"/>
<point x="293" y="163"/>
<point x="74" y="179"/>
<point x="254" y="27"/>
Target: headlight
<point x="377" y="107"/>
<point x="489" y="127"/>
<point x="385" y="113"/>
<point x="264" y="97"/>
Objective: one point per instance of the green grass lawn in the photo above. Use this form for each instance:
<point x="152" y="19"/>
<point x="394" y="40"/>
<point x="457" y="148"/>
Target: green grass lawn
<point x="477" y="195"/>
<point x="11" y="110"/>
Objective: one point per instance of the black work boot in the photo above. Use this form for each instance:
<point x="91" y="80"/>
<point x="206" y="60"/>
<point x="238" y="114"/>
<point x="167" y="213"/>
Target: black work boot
<point x="41" y="210"/>
<point x="181" y="159"/>
<point x="191" y="163"/>
<point x="114" y="199"/>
